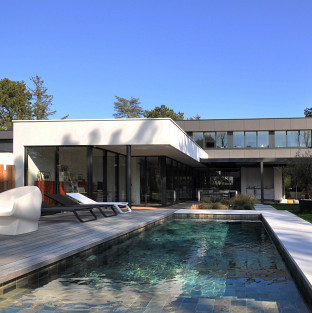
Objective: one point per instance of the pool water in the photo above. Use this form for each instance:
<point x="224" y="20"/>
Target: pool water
<point x="180" y="266"/>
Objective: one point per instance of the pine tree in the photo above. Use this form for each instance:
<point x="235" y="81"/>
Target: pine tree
<point x="127" y="108"/>
<point x="41" y="101"/>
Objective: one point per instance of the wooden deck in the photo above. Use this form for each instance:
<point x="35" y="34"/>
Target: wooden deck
<point x="62" y="235"/>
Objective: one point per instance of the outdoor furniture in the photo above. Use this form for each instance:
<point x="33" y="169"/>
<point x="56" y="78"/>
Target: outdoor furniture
<point x="69" y="205"/>
<point x="20" y="210"/>
<point x="116" y="205"/>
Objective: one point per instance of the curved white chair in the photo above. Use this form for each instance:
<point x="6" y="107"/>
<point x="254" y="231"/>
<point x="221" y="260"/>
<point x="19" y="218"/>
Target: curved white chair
<point x="20" y="210"/>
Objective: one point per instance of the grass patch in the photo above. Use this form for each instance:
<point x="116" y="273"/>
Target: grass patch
<point x="294" y="208"/>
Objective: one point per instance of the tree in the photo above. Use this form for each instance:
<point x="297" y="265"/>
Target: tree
<point x="308" y="112"/>
<point x="41" y="101"/>
<point x="194" y="118"/>
<point x="127" y="108"/>
<point x="14" y="102"/>
<point x="164" y="111"/>
<point x="300" y="171"/>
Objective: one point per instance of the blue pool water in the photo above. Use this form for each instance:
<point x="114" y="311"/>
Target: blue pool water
<point x="180" y="266"/>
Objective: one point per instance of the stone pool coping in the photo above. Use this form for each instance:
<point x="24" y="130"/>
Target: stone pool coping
<point x="291" y="234"/>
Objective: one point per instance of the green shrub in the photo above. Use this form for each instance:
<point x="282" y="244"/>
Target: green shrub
<point x="244" y="202"/>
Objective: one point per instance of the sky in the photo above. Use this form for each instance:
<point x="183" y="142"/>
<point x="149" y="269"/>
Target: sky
<point x="215" y="58"/>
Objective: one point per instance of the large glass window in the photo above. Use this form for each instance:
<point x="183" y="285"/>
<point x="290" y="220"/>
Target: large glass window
<point x="153" y="180"/>
<point x="221" y="139"/>
<point x="305" y="138"/>
<point x="238" y="139"/>
<point x="72" y="169"/>
<point x="112" y="165"/>
<point x="122" y="178"/>
<point x="98" y="175"/>
<point x="280" y="139"/>
<point x="210" y="139"/>
<point x="293" y="138"/>
<point x="198" y="137"/>
<point x="251" y="139"/>
<point x="263" y="139"/>
<point x="41" y="170"/>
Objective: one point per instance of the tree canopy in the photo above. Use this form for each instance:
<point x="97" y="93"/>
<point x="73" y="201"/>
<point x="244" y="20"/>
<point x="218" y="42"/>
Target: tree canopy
<point x="17" y="102"/>
<point x="14" y="102"/>
<point x="308" y="112"/>
<point x="300" y="171"/>
<point x="164" y="111"/>
<point x="41" y="101"/>
<point x="125" y="108"/>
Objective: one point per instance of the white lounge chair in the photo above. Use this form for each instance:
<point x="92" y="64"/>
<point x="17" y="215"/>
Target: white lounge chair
<point x="20" y="210"/>
<point x="121" y="207"/>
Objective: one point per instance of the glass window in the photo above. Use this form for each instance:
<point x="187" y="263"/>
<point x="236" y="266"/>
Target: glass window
<point x="111" y="176"/>
<point x="210" y="139"/>
<point x="221" y="139"/>
<point x="41" y="170"/>
<point x="305" y="138"/>
<point x="293" y="138"/>
<point x="198" y="137"/>
<point x="280" y="138"/>
<point x="251" y="139"/>
<point x="238" y="139"/>
<point x="263" y="139"/>
<point x="122" y="178"/>
<point x="72" y="169"/>
<point x="98" y="175"/>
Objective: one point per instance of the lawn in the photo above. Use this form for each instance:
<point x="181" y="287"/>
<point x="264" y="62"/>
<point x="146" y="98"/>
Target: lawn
<point x="294" y="208"/>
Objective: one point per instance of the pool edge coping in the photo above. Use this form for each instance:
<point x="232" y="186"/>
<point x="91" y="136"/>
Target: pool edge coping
<point x="300" y="277"/>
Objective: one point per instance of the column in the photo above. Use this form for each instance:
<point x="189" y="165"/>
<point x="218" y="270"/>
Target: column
<point x="261" y="176"/>
<point x="128" y="175"/>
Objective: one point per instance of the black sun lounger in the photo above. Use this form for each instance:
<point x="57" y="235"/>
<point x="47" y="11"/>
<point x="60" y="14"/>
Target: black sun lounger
<point x="75" y="206"/>
<point x="47" y="208"/>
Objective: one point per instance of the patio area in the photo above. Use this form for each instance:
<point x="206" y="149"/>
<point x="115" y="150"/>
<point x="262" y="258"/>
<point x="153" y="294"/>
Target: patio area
<point x="34" y="258"/>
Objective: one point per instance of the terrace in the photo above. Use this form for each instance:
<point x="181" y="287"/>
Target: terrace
<point x="34" y="258"/>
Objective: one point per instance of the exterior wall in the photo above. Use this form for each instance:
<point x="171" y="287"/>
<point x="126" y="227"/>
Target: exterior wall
<point x="278" y="183"/>
<point x="6" y="158"/>
<point x="100" y="133"/>
<point x="252" y="124"/>
<point x="251" y="182"/>
<point x="268" y="124"/>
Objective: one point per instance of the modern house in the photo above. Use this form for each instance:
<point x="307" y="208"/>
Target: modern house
<point x="157" y="161"/>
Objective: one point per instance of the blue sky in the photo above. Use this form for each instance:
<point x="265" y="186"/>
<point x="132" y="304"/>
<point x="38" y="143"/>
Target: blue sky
<point x="218" y="59"/>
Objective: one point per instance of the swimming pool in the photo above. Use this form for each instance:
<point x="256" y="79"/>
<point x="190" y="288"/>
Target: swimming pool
<point x="179" y="266"/>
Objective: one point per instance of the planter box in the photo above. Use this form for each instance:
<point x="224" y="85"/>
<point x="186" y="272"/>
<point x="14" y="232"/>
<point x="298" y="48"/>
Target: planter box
<point x="305" y="205"/>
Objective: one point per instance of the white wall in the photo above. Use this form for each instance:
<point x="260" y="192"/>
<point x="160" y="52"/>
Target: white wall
<point x="278" y="183"/>
<point x="99" y="132"/>
<point x="7" y="158"/>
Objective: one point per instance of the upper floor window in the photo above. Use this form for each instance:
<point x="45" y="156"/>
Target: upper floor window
<point x="238" y="139"/>
<point x="263" y="139"/>
<point x="210" y="139"/>
<point x="198" y="137"/>
<point x="280" y="138"/>
<point x="305" y="138"/>
<point x="292" y="138"/>
<point x="221" y="139"/>
<point x="251" y="139"/>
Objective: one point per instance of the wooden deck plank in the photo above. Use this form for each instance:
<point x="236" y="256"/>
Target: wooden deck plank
<point x="63" y="236"/>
